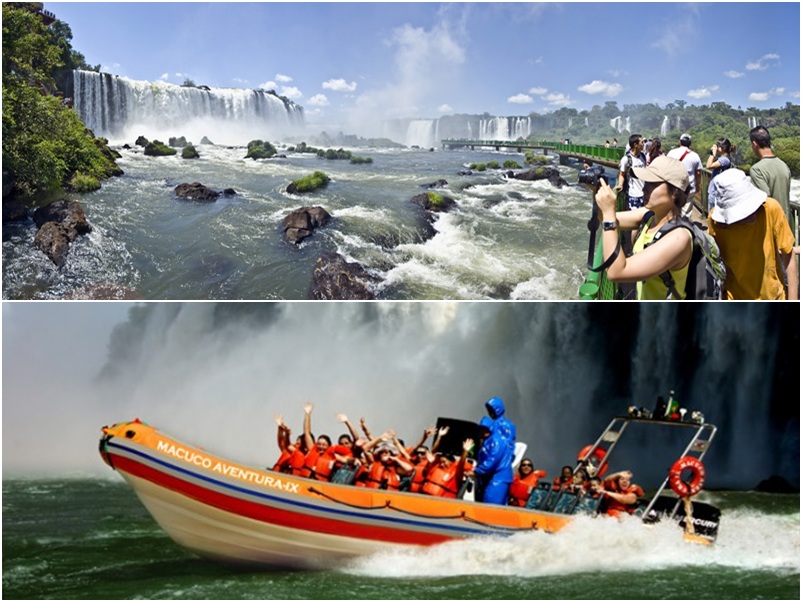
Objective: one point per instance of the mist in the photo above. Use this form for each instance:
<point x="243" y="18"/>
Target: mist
<point x="216" y="374"/>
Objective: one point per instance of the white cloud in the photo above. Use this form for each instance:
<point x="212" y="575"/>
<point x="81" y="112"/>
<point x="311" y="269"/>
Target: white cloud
<point x="675" y="36"/>
<point x="444" y="109"/>
<point x="764" y="62"/>
<point x="556" y="99"/>
<point x="164" y="76"/>
<point x="425" y="61"/>
<point x="284" y="79"/>
<point x="318" y="100"/>
<point x="702" y="92"/>
<point x="601" y="87"/>
<point x="339" y="85"/>
<point x="733" y="74"/>
<point x="538" y="91"/>
<point x="291" y="92"/>
<point x="268" y="85"/>
<point x="764" y="96"/>
<point x="520" y="99"/>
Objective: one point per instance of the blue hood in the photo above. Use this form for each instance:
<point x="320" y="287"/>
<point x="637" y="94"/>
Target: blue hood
<point x="486" y="422"/>
<point x="495" y="407"/>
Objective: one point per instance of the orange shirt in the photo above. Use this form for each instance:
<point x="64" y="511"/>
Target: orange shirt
<point x="749" y="249"/>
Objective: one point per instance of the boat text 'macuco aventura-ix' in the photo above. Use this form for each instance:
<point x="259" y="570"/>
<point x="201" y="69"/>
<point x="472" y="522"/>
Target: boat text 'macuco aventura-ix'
<point x="226" y="511"/>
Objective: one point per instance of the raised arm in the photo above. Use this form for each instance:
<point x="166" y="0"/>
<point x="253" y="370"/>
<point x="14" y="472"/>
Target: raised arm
<point x="310" y="441"/>
<point x="344" y="419"/>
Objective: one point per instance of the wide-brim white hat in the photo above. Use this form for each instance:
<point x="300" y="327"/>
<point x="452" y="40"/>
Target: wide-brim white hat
<point x="736" y="197"/>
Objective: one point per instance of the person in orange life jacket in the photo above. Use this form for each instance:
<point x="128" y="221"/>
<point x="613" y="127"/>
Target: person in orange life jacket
<point x="493" y="469"/>
<point x="524" y="482"/>
<point x="565" y="478"/>
<point x="320" y="459"/>
<point x="292" y="456"/>
<point x="620" y="494"/>
<point x="387" y="469"/>
<point x="446" y="473"/>
<point x="580" y="482"/>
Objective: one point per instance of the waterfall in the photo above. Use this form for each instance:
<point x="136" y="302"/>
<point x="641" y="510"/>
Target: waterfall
<point x="627" y="125"/>
<point x="119" y="108"/>
<point x="664" y="126"/>
<point x="505" y="128"/>
<point x="677" y="127"/>
<point x="615" y="123"/>
<point x="751" y="122"/>
<point x="422" y="133"/>
<point x="216" y="373"/>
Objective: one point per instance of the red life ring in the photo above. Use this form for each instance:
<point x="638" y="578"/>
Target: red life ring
<point x="599" y="454"/>
<point x="687" y="488"/>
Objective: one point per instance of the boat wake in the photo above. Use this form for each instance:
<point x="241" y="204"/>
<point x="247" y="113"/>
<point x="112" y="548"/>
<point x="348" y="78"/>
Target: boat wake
<point x="748" y="540"/>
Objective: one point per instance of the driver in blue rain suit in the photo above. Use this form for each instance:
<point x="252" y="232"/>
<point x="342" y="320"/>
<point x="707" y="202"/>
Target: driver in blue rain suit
<point x="493" y="470"/>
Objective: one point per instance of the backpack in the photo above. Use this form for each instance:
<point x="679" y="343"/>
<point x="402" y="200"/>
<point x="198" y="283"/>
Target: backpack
<point x="706" y="271"/>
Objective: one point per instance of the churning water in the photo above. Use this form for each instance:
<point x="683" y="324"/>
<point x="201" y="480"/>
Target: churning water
<point x="508" y="239"/>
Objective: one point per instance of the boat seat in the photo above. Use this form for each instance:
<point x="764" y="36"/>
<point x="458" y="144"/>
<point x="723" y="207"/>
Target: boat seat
<point x="566" y="502"/>
<point x="345" y="475"/>
<point x="539" y="497"/>
<point x="588" y="504"/>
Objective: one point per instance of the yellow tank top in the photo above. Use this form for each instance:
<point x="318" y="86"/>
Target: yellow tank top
<point x="653" y="289"/>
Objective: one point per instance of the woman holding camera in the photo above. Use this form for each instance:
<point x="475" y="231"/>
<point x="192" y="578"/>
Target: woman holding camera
<point x="718" y="160"/>
<point x="655" y="254"/>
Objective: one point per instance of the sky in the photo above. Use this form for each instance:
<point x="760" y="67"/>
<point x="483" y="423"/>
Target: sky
<point x="425" y="60"/>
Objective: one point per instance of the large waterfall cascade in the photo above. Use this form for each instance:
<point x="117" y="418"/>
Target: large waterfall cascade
<point x="116" y="107"/>
<point x="429" y="360"/>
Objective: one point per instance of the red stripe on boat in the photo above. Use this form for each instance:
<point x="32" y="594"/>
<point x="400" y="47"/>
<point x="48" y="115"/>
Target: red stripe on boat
<point x="276" y="516"/>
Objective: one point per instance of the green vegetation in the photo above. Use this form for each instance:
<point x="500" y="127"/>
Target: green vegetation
<point x="330" y="154"/>
<point x="81" y="182"/>
<point x="705" y="124"/>
<point x="311" y="182"/>
<point x="45" y="146"/>
<point x="510" y="164"/>
<point x="531" y="158"/>
<point x="157" y="148"/>
<point x="260" y="149"/>
<point x="189" y="152"/>
<point x="436" y="199"/>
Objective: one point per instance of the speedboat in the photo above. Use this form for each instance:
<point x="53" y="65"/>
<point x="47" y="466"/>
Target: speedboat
<point x="226" y="511"/>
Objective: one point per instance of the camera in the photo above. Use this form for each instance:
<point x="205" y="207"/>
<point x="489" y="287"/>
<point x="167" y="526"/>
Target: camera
<point x="592" y="175"/>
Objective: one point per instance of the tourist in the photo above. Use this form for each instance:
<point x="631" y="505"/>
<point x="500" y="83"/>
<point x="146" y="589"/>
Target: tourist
<point x="565" y="478"/>
<point x="620" y="494"/>
<point x="770" y="174"/>
<point x="524" y="482"/>
<point x="655" y="150"/>
<point x="693" y="163"/>
<point x="493" y="471"/>
<point x="387" y="469"/>
<point x="718" y="161"/>
<point x="752" y="231"/>
<point x="321" y="457"/>
<point x="627" y="181"/>
<point x="445" y="476"/>
<point x="655" y="257"/>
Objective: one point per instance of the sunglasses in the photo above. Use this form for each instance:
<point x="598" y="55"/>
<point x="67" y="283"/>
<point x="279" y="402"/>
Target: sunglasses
<point x="523" y="465"/>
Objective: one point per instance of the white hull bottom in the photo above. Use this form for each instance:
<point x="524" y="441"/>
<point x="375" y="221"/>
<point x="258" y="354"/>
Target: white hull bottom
<point x="227" y="537"/>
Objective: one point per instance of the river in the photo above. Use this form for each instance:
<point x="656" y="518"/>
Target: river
<point x="85" y="538"/>
<point x="508" y="239"/>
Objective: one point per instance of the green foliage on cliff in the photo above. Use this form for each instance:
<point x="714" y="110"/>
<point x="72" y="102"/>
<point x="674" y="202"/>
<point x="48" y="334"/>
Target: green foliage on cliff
<point x="45" y="145"/>
<point x="311" y="182"/>
<point x="705" y="124"/>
